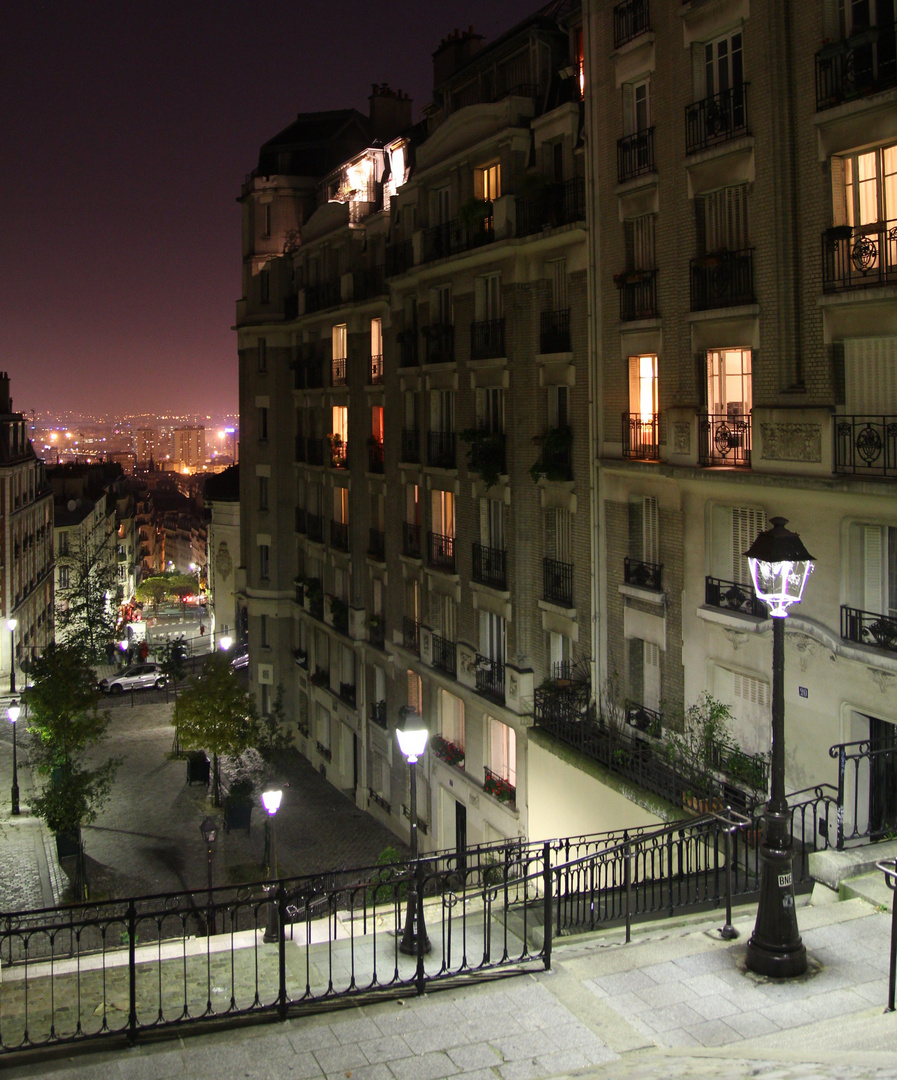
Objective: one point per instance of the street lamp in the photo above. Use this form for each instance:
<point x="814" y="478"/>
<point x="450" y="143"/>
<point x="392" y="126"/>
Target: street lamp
<point x="209" y="830"/>
<point x="11" y="625"/>
<point x="225" y="643"/>
<point x="412" y="743"/>
<point x="780" y="565"/>
<point x="13" y="713"/>
<point x="271" y="801"/>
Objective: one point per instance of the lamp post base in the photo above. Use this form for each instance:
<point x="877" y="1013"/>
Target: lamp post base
<point x="15" y="799"/>
<point x="775" y="948"/>
<point x="410" y="938"/>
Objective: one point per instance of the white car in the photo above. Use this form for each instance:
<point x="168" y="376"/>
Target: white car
<point x="241" y="657"/>
<point x="135" y="677"/>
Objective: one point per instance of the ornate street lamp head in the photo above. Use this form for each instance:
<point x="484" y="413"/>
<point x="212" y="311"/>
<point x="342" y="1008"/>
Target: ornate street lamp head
<point x="271" y="800"/>
<point x="11" y="624"/>
<point x="780" y="566"/>
<point x="14" y="711"/>
<point x="209" y="830"/>
<point x="413" y="737"/>
<point x="225" y="643"/>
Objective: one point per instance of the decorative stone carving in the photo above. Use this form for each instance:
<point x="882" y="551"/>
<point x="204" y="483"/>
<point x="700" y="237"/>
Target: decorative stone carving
<point x="807" y="649"/>
<point x="736" y="639"/>
<point x="682" y="437"/>
<point x="224" y="564"/>
<point x="792" y="442"/>
<point x="884" y="680"/>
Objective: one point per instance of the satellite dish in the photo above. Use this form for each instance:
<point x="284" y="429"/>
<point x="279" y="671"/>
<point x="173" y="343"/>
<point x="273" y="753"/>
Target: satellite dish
<point x="72" y="505"/>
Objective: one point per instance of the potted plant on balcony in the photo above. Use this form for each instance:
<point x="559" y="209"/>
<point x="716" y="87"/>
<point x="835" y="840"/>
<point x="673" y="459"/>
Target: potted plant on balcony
<point x="474" y="214"/>
<point x="447" y="751"/>
<point x="337" y="449"/>
<point x="486" y="454"/>
<point x="499" y="788"/>
<point x="553" y="462"/>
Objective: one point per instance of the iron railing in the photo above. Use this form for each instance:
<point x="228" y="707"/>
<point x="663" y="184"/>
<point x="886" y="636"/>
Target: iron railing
<point x="368" y="283"/>
<point x="631" y="18"/>
<point x="716" y="119"/>
<point x="724" y="440"/>
<point x="441" y="449"/>
<point x="866" y="445"/>
<point x="325" y="295"/>
<point x="644" y="719"/>
<point x="440" y="338"/>
<point x="441" y="554"/>
<point x="410" y="540"/>
<point x="557" y="582"/>
<point x="635" y="154"/>
<point x="378" y="714"/>
<point x="399" y="257"/>
<point x="856" y="67"/>
<point x="722" y="279"/>
<point x="499" y="787"/>
<point x="338" y="371"/>
<point x="733" y="596"/>
<point x="859" y="258"/>
<point x="377" y="544"/>
<point x="377" y="370"/>
<point x="869" y="628"/>
<point x="638" y="295"/>
<point x="646" y="575"/>
<point x="866" y="801"/>
<point x="411" y="633"/>
<point x="339" y="535"/>
<point x="554" y="331"/>
<point x="490" y="678"/>
<point x="315" y="526"/>
<point x="487" y="339"/>
<point x="411" y="445"/>
<point x="444" y="655"/>
<point x="453" y="238"/>
<point x="375" y="456"/>
<point x="337" y="452"/>
<point x="490" y="566"/>
<point x="640" y="436"/>
<point x="560" y="203"/>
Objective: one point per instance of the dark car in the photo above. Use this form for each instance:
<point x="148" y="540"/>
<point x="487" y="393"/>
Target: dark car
<point x="240" y="658"/>
<point x="135" y="677"/>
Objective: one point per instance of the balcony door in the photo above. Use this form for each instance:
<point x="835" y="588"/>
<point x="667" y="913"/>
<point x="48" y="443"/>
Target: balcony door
<point x="443" y="512"/>
<point x="882" y="778"/>
<point x="729" y="391"/>
<point x="492" y="523"/>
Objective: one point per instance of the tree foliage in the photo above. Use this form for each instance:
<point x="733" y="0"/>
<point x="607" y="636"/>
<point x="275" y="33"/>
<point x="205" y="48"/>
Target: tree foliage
<point x="178" y="587"/>
<point x="87" y="607"/>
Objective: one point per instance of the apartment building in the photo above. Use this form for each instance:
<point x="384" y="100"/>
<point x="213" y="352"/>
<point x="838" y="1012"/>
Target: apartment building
<point x="745" y="214"/>
<point x="189" y="447"/>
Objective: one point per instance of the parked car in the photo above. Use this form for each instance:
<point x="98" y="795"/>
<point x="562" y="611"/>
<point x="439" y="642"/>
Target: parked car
<point x="135" y="677"/>
<point x="241" y="657"/>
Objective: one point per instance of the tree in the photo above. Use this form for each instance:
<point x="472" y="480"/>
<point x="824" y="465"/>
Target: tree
<point x="215" y="713"/>
<point x="87" y="607"/>
<point x="153" y="589"/>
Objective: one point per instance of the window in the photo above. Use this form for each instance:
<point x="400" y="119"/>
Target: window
<point x="63" y="544"/>
<point x="63" y="577"/>
<point x="441" y="305"/>
<point x="322" y="726"/>
<point x="559" y="534"/>
<point x="263" y="354"/>
<point x="341" y="505"/>
<point x="340" y="422"/>
<point x="263" y="423"/>
<point x="746" y="524"/>
<point x="492" y="636"/>
<point x="376" y="337"/>
<point x="414" y="692"/>
<point x="487" y="298"/>
<point x="412" y="504"/>
<point x="451" y="718"/>
<point x="379" y="779"/>
<point x="377" y="423"/>
<point x="265" y="286"/>
<point x="490" y="406"/>
<point x="870" y="376"/>
<point x="443" y="512"/>
<point x="412" y="599"/>
<point x="721" y="68"/>
<point x="644" y="541"/>
<point x="503" y="751"/>
<point x="643" y="387"/>
<point x="263" y="492"/>
<point x="264" y="561"/>
<point x="638" y="236"/>
<point x="578" y="57"/>
<point x="556" y="272"/>
<point x="442" y="203"/>
<point x="442" y="410"/>
<point x="729" y="383"/>
<point x="492" y="531"/>
<point x="644" y="673"/>
<point x="558" y="406"/>
<point x="864" y="187"/>
<point x="487" y="182"/>
<point x="338" y="340"/>
<point x="266" y="220"/>
<point x="722" y="220"/>
<point x="873" y="568"/>
<point x="636" y="107"/>
<point x="263" y="632"/>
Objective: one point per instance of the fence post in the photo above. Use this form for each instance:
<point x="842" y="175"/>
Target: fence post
<point x="842" y="768"/>
<point x="132" y="973"/>
<point x="547" y="913"/>
<point x="281" y="951"/>
<point x="422" y="942"/>
<point x="728" y="931"/>
<point x="627" y="870"/>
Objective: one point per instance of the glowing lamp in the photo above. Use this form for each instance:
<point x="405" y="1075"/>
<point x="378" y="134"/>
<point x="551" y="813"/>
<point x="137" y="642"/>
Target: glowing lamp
<point x="14" y="712"/>
<point x="780" y="566"/>
<point x="412" y="742"/>
<point x="271" y="800"/>
<point x="226" y="642"/>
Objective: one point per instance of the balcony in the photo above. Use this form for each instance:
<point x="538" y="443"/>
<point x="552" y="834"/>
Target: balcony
<point x="375" y="455"/>
<point x="859" y="258"/>
<point x="453" y="238"/>
<point x="554" y="331"/>
<point x="399" y="257"/>
<point x="556" y="204"/>
<point x="638" y="294"/>
<point x="377" y="544"/>
<point x="440" y="338"/>
<point x="446" y="750"/>
<point x="337" y="452"/>
<point x="716" y="119"/>
<point x="369" y="283"/>
<point x="644" y="719"/>
<point x="410" y="446"/>
<point x="643" y="575"/>
<point x="308" y="374"/>
<point x="444" y="658"/>
<point x="377" y="370"/>
<point x="869" y="628"/>
<point x="314" y="451"/>
<point x="347" y="693"/>
<point x="863" y="64"/>
<point x="441" y="553"/>
<point x="640" y="436"/>
<point x="866" y="445"/>
<point x="557" y="582"/>
<point x="408" y="352"/>
<point x="733" y="596"/>
<point x="631" y="18"/>
<point x="441" y="450"/>
<point x="490" y="566"/>
<point x="722" y="279"/>
<point x="301" y="525"/>
<point x="490" y="675"/>
<point x="411" y="634"/>
<point x="499" y="788"/>
<point x="635" y="155"/>
<point x="724" y="440"/>
<point x="325" y="295"/>
<point x="299" y="454"/>
<point x="339" y="535"/>
<point x="338" y="371"/>
<point x="315" y="527"/>
<point x="410" y="540"/>
<point x="487" y="339"/>
<point x="378" y="714"/>
<point x="555" y="461"/>
<point x="486" y="454"/>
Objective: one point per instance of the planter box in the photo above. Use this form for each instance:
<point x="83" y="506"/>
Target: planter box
<point x="237" y="814"/>
<point x="198" y="768"/>
<point x="68" y="845"/>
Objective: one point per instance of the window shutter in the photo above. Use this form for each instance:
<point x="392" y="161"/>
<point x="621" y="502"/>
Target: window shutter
<point x="697" y="70"/>
<point x="650" y="520"/>
<point x="628" y="109"/>
<point x="633" y="384"/>
<point x="651" y="677"/>
<point x="484" y="522"/>
<point x="839" y="192"/>
<point x="747" y="523"/>
<point x="831" y="25"/>
<point x="872" y="567"/>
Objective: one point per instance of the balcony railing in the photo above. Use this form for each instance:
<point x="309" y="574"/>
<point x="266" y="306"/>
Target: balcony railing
<point x="859" y="258"/>
<point x="377" y="370"/>
<point x="377" y="544"/>
<point x="490" y="566"/>
<point x="556" y="204"/>
<point x="379" y="800"/>
<point x="315" y="525"/>
<point x="299" y="454"/>
<point x="635" y="154"/>
<point x="487" y="339"/>
<point x="339" y="535"/>
<point x="442" y="552"/>
<point x="733" y="596"/>
<point x="440" y="338"/>
<point x="325" y="295"/>
<point x="375" y="456"/>
<point x="724" y="440"/>
<point x="378" y="714"/>
<point x="491" y="678"/>
<point x="441" y="450"/>
<point x="716" y="119"/>
<point x="301" y="524"/>
<point x="444" y="655"/>
<point x="410" y="540"/>
<point x="499" y="788"/>
<point x="408" y="352"/>
<point x="638" y="294"/>
<point x="869" y="628"/>
<point x="646" y="575"/>
<point x="631" y="18"/>
<point x="337" y="453"/>
<point x="399" y="257"/>
<point x="863" y="64"/>
<point x="314" y="451"/>
<point x="452" y="238"/>
<point x="338" y="371"/>
<point x="411" y="445"/>
<point x="557" y="582"/>
<point x="866" y="445"/>
<point x="368" y="283"/>
<point x="644" y="719"/>
<point x="411" y="634"/>
<point x="640" y="436"/>
<point x="554" y="331"/>
<point x="722" y="279"/>
<point x="376" y="626"/>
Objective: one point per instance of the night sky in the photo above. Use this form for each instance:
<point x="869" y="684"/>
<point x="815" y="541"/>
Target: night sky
<point x="127" y="130"/>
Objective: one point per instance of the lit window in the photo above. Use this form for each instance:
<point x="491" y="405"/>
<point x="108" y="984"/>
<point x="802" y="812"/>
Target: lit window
<point x="487" y="182"/>
<point x="503" y="751"/>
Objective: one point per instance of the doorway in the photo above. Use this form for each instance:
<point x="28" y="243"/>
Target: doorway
<point x="882" y="777"/>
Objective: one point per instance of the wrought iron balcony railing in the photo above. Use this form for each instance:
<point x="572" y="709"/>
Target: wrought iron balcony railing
<point x="557" y="582"/>
<point x="314" y="451"/>
<point x="556" y="204"/>
<point x="866" y="445"/>
<point x="377" y="544"/>
<point x="338" y="371"/>
<point x="487" y="339"/>
<point x="490" y="566"/>
<point x="408" y="351"/>
<point x="301" y="525"/>
<point x="856" y="67"/>
<point x="339" y="535"/>
<point x="869" y="628"/>
<point x="441" y="450"/>
<point x="554" y="331"/>
<point x="411" y="634"/>
<point x="375" y="457"/>
<point x="377" y="370"/>
<point x="368" y="283"/>
<point x="635" y="154"/>
<point x="410" y="540"/>
<point x="399" y="257"/>
<point x="644" y="574"/>
<point x="337" y="453"/>
<point x="442" y="552"/>
<point x="378" y="714"/>
<point x="724" y="440"/>
<point x="733" y="596"/>
<point x="644" y="719"/>
<point x="411" y="445"/>
<point x="453" y="238"/>
<point x="640" y="436"/>
<point x="300" y="454"/>
<point x="716" y="119"/>
<point x="325" y="295"/>
<point x="638" y="294"/>
<point x="631" y="18"/>
<point x="722" y="279"/>
<point x="440" y="338"/>
<point x="499" y="787"/>
<point x="859" y="258"/>
<point x="444" y="655"/>
<point x="315" y="525"/>
<point x="490" y="675"/>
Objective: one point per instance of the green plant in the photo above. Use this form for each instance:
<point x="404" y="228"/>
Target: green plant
<point x="553" y="462"/>
<point x="747" y="770"/>
<point x="473" y="214"/>
<point x="446" y="751"/>
<point x="339" y="613"/>
<point x="499" y="788"/>
<point x="705" y="726"/>
<point x="486" y="454"/>
<point x="383" y="889"/>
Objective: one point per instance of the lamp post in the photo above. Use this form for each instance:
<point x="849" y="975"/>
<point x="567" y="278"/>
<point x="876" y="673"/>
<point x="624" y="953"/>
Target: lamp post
<point x="209" y="830"/>
<point x="780" y="565"/>
<point x="13" y="712"/>
<point x="271" y="802"/>
<point x="412" y="743"/>
<point x="225" y="643"/>
<point x="11" y="625"/>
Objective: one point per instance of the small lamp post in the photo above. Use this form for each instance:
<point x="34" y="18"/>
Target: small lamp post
<point x="13" y="712"/>
<point x="209" y="830"/>
<point x="412" y="743"/>
<point x="271" y="801"/>
<point x="11" y="625"/>
<point x="225" y="643"/>
<point x="780" y="565"/>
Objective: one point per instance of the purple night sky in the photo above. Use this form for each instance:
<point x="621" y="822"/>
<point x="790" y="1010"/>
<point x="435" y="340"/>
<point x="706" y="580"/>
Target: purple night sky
<point x="129" y="128"/>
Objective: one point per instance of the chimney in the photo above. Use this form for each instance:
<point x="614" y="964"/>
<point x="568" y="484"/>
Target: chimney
<point x="5" y="399"/>
<point x="454" y="51"/>
<point x="390" y="112"/>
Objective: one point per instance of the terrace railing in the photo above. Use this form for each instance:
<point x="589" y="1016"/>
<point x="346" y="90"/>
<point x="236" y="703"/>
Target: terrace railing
<point x="716" y="119"/>
<point x="866" y="445"/>
<point x="861" y="258"/>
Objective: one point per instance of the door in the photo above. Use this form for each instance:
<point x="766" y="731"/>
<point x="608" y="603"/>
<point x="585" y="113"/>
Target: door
<point x="882" y="778"/>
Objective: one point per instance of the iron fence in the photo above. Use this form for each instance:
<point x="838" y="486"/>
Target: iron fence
<point x="635" y="154"/>
<point x="646" y="575"/>
<point x="554" y="331"/>
<point x="560" y="203"/>
<point x="869" y="628"/>
<point x="724" y="440"/>
<point x="490" y="678"/>
<point x="557" y="582"/>
<point x="441" y="451"/>
<point x="452" y="238"/>
<point x="487" y="339"/>
<point x="716" y="119"/>
<point x="442" y="552"/>
<point x="631" y="18"/>
<point x="444" y="655"/>
<point x="325" y="295"/>
<point x="722" y="279"/>
<point x="490" y="566"/>
<point x="641" y="436"/>
<point x="733" y="596"/>
<point x="638" y="295"/>
<point x="854" y="67"/>
<point x="866" y="798"/>
<point x="339" y="535"/>
<point x="859" y="258"/>
<point x="369" y="282"/>
<point x="866" y="444"/>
